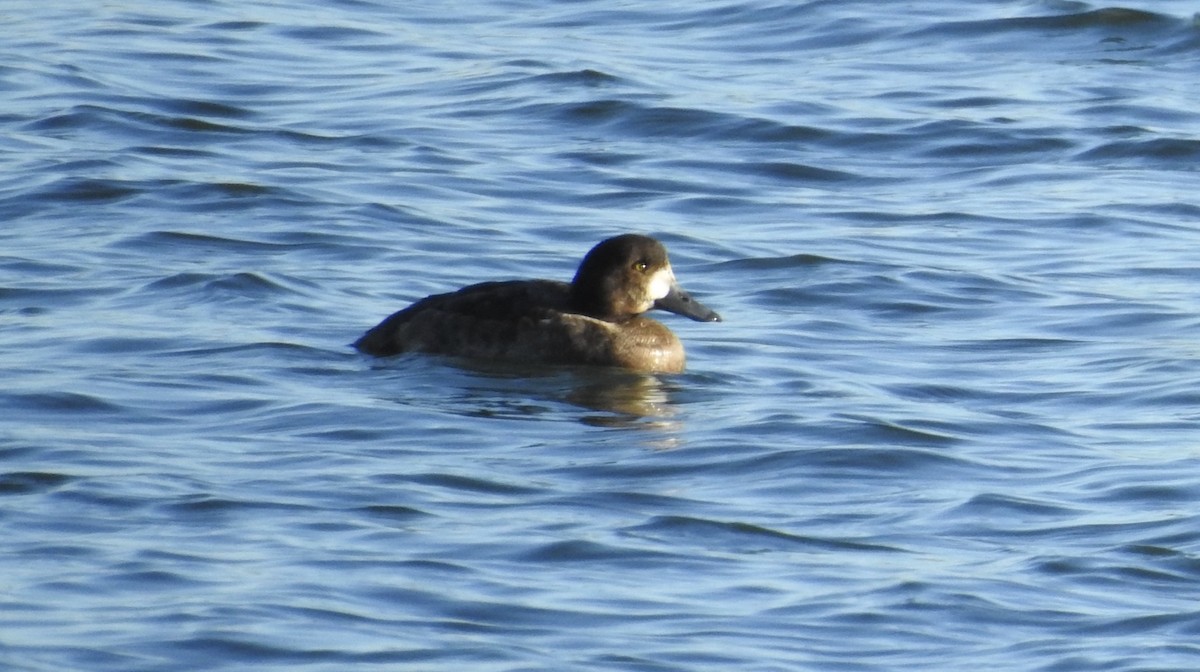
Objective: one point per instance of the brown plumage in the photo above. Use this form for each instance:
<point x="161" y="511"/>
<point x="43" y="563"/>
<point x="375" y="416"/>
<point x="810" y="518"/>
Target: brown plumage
<point x="596" y="319"/>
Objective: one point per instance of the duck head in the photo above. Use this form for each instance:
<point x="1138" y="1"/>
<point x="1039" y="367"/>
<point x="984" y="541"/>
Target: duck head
<point x="625" y="276"/>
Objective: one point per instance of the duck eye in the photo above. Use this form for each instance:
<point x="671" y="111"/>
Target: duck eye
<point x="641" y="266"/>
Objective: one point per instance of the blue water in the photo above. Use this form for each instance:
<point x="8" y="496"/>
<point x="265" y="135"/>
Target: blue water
<point x="951" y="421"/>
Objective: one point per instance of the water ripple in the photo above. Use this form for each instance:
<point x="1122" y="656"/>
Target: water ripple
<point x="949" y="421"/>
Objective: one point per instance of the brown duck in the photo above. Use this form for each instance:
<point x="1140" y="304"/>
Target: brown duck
<point x="596" y="319"/>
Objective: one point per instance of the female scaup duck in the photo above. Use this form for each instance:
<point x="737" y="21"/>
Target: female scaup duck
<point x="596" y="319"/>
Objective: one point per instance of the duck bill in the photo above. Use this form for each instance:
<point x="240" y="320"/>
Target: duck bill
<point x="681" y="303"/>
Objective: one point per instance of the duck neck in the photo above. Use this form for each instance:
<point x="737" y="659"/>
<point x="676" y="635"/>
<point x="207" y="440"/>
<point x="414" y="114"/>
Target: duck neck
<point x="586" y="302"/>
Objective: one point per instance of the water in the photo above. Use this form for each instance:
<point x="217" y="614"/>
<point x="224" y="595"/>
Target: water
<point x="950" y="420"/>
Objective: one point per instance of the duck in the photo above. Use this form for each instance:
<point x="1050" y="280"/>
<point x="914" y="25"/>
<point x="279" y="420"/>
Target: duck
<point x="597" y="319"/>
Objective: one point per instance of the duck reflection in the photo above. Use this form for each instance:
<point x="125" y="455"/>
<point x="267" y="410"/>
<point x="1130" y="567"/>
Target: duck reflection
<point x="629" y="400"/>
<point x="615" y="397"/>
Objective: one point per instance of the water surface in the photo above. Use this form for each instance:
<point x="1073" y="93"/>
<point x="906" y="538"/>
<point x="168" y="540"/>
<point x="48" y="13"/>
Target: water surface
<point x="950" y="419"/>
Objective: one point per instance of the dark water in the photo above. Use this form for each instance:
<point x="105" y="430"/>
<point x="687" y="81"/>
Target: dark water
<point x="950" y="421"/>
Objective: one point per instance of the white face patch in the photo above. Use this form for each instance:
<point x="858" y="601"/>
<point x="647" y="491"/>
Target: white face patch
<point x="660" y="283"/>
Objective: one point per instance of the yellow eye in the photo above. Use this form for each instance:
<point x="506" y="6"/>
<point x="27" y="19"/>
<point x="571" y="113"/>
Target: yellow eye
<point x="641" y="266"/>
